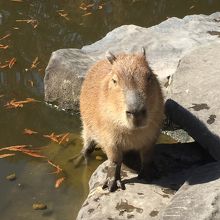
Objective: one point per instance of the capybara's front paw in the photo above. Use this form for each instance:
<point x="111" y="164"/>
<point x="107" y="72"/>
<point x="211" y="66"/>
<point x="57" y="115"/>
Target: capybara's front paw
<point x="113" y="184"/>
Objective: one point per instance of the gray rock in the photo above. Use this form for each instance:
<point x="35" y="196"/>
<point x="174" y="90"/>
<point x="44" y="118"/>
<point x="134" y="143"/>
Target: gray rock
<point x="64" y="76"/>
<point x="195" y="85"/>
<point x="166" y="44"/>
<point x="140" y="200"/>
<point x="198" y="198"/>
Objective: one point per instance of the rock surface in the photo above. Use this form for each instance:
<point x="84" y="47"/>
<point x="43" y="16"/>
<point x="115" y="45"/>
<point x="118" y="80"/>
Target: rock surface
<point x="198" y="198"/>
<point x="166" y="44"/>
<point x="195" y="85"/>
<point x="173" y="164"/>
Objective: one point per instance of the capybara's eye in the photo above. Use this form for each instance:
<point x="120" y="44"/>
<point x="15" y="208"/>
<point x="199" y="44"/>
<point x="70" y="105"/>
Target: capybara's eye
<point x="114" y="81"/>
<point x="149" y="77"/>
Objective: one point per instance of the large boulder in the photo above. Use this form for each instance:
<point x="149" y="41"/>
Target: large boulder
<point x="173" y="164"/>
<point x="195" y="85"/>
<point x="64" y="75"/>
<point x="198" y="198"/>
<point x="166" y="44"/>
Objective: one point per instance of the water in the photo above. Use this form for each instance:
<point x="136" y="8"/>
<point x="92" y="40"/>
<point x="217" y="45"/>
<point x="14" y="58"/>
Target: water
<point x="35" y="29"/>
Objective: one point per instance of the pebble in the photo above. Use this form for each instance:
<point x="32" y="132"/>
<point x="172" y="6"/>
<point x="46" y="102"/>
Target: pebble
<point x="39" y="206"/>
<point x="98" y="158"/>
<point x="11" y="177"/>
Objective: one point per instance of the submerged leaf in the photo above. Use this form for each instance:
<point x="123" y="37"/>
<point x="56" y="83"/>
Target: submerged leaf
<point x="58" y="169"/>
<point x="59" y="182"/>
<point x="32" y="153"/>
<point x="6" y="155"/>
<point x="19" y="104"/>
<point x="29" y="131"/>
<point x="6" y="36"/>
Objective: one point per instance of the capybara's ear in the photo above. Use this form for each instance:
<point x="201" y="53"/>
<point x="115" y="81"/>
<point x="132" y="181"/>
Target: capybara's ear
<point x="143" y="51"/>
<point x="110" y="56"/>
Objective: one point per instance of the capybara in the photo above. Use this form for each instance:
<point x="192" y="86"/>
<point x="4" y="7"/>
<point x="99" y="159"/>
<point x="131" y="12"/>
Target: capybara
<point x="121" y="106"/>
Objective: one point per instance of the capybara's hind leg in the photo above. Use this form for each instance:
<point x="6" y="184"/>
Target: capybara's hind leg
<point x="88" y="147"/>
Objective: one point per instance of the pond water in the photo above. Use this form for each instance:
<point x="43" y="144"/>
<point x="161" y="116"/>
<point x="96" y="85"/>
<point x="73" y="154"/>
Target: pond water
<point x="29" y="31"/>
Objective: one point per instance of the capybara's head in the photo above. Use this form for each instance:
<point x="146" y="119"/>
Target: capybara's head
<point x="131" y="90"/>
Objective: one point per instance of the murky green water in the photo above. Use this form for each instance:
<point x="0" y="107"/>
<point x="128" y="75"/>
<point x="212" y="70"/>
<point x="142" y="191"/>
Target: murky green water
<point x="35" y="28"/>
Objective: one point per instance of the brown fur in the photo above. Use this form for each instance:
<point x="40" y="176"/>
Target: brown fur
<point x="103" y="106"/>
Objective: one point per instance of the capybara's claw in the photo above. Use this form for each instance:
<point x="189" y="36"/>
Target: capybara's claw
<point x="113" y="185"/>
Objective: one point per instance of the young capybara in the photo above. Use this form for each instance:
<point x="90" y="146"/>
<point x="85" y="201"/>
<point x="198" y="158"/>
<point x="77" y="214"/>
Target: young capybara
<point x="121" y="106"/>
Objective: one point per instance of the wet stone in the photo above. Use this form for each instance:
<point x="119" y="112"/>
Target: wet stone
<point x="39" y="206"/>
<point x="11" y="177"/>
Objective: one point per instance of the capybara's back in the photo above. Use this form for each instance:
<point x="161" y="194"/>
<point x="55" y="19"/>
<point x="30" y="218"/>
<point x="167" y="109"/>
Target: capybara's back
<point x="121" y="106"/>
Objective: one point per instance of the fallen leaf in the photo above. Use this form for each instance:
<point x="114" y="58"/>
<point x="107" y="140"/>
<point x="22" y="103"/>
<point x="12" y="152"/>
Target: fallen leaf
<point x="14" y="147"/>
<point x="34" y="63"/>
<point x="52" y="137"/>
<point x="63" y="14"/>
<point x="1" y="95"/>
<point x="64" y="138"/>
<point x="6" y="36"/>
<point x="6" y="155"/>
<point x="193" y="6"/>
<point x="2" y="66"/>
<point x="89" y="13"/>
<point x="19" y="104"/>
<point x="29" y="131"/>
<point x="32" y="153"/>
<point x="4" y="46"/>
<point x="58" y="169"/>
<point x="59" y="182"/>
<point x="12" y="62"/>
<point x="33" y="22"/>
<point x="59" y="138"/>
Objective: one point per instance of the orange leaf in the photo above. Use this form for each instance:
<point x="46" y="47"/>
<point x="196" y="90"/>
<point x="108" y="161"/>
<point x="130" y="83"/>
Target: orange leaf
<point x="34" y="63"/>
<point x="19" y="104"/>
<point x="12" y="62"/>
<point x="29" y="132"/>
<point x="59" y="182"/>
<point x="52" y="137"/>
<point x="6" y="155"/>
<point x="14" y="148"/>
<point x="33" y="22"/>
<point x="6" y="36"/>
<point x="64" y="138"/>
<point x="89" y="13"/>
<point x="32" y="153"/>
<point x="58" y="169"/>
<point x="3" y="46"/>
<point x="3" y="66"/>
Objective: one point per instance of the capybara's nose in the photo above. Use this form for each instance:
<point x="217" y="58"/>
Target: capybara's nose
<point x="136" y="113"/>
